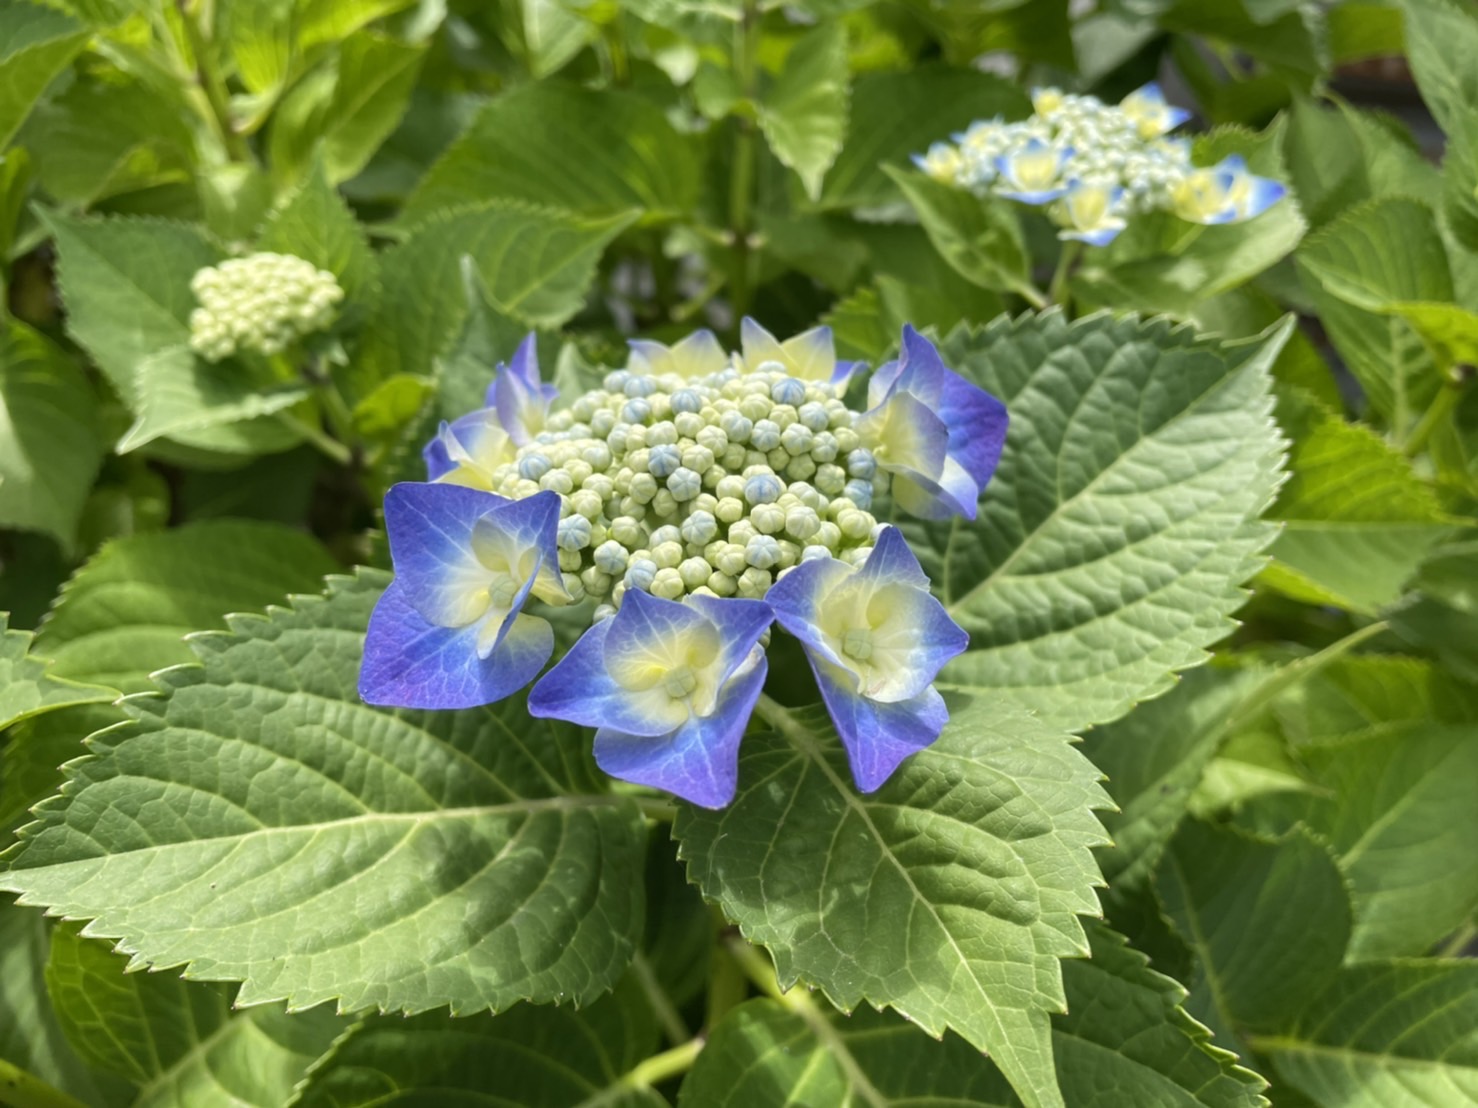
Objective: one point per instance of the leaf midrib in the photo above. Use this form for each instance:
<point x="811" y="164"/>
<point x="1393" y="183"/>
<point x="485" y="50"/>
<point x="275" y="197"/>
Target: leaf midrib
<point x="781" y="719"/>
<point x="571" y="803"/>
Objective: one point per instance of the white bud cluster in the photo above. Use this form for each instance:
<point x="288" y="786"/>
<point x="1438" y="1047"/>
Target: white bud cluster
<point x="713" y="485"/>
<point x="262" y="302"/>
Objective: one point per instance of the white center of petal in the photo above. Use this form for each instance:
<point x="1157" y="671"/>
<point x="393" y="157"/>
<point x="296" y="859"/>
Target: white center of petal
<point x="502" y="589"/>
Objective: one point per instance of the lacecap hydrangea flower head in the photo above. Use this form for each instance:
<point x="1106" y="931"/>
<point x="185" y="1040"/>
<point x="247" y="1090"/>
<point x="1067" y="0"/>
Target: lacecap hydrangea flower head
<point x="1094" y="166"/>
<point x="692" y="501"/>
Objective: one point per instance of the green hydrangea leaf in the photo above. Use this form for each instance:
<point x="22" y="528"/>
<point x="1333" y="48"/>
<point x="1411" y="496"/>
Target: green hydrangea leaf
<point x="1357" y="520"/>
<point x="126" y="612"/>
<point x="979" y="237"/>
<point x="30" y="1036"/>
<point x="315" y="224"/>
<point x="1123" y="518"/>
<point x="347" y="109"/>
<point x="1393" y="797"/>
<point x="949" y="894"/>
<point x="100" y="139"/>
<point x="1380" y="279"/>
<point x="27" y="689"/>
<point x="544" y="1055"/>
<point x="523" y="145"/>
<point x="535" y="266"/>
<point x="1154" y="758"/>
<point x="179" y="1041"/>
<point x="36" y="43"/>
<point x="804" y="113"/>
<point x="1244" y="906"/>
<point x="258" y="823"/>
<point x="884" y="126"/>
<point x="273" y="41"/>
<point x="1386" y="1035"/>
<point x="1123" y="1040"/>
<point x="50" y="435"/>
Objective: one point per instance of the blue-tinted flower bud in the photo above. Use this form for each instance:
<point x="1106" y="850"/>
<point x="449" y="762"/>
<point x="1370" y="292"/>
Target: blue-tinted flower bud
<point x="664" y="459"/>
<point x="763" y="488"/>
<point x="700" y="527"/>
<point x="860" y="493"/>
<point x="788" y="391"/>
<point x="860" y="463"/>
<point x="640" y="573"/>
<point x="574" y="533"/>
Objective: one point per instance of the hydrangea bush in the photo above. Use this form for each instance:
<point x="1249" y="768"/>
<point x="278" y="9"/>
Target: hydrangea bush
<point x="706" y="554"/>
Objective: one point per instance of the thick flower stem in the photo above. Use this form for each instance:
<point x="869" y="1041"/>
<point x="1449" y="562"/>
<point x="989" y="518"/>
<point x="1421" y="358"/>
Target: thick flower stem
<point x="665" y="1066"/>
<point x="212" y="84"/>
<point x="20" y="1089"/>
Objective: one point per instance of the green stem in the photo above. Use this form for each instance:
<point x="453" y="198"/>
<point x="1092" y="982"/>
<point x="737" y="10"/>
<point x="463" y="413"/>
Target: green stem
<point x="662" y="1006"/>
<point x="665" y="1066"/>
<point x="799" y="1000"/>
<point x="1440" y="408"/>
<point x="1297" y="671"/>
<point x="1067" y="257"/>
<point x="20" y="1089"/>
<point x="726" y="985"/>
<point x="660" y="811"/>
<point x="741" y="185"/>
<point x="212" y="84"/>
<point x="327" y="444"/>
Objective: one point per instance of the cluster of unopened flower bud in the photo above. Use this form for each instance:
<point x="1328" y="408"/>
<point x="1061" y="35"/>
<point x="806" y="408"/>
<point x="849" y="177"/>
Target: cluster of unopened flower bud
<point x="709" y="486"/>
<point x="1093" y="165"/>
<point x="262" y="303"/>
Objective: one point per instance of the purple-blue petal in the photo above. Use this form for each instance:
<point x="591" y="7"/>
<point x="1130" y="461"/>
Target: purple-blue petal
<point x="891" y="560"/>
<point x="878" y="737"/>
<point x="430" y="531"/>
<point x="700" y="760"/>
<point x="579" y="689"/>
<point x="411" y="663"/>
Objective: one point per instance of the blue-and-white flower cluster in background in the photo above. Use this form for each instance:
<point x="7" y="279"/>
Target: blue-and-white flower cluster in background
<point x="1095" y="165"/>
<point x="694" y="500"/>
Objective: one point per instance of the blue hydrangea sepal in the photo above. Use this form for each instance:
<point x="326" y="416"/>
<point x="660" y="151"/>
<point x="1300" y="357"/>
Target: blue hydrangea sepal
<point x="938" y="435"/>
<point x="876" y="639"/>
<point x="450" y="632"/>
<point x="670" y="687"/>
<point x="519" y="395"/>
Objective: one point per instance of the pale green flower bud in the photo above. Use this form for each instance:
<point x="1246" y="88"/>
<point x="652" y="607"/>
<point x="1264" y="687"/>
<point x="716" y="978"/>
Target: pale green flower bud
<point x="800" y="468"/>
<point x="643" y="487"/>
<point x="847" y="440"/>
<point x="823" y="447"/>
<point x="668" y="584"/>
<point x="753" y="408"/>
<point x="684" y="484"/>
<point x="729" y="510"/>
<point x="557" y="480"/>
<point x="762" y="552"/>
<point x="628" y="532"/>
<point x="689" y="424"/>
<point x="732" y="561"/>
<point x="664" y="504"/>
<point x="574" y="585"/>
<point x="797" y="439"/>
<point x="694" y="572"/>
<point x="587" y="503"/>
<point x="830" y="479"/>
<point x="570" y="561"/>
<point x="768" y="519"/>
<point x="754" y="583"/>
<point x="667" y="555"/>
<point x="722" y="584"/>
<point x="765" y="437"/>
<point x="801" y="523"/>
